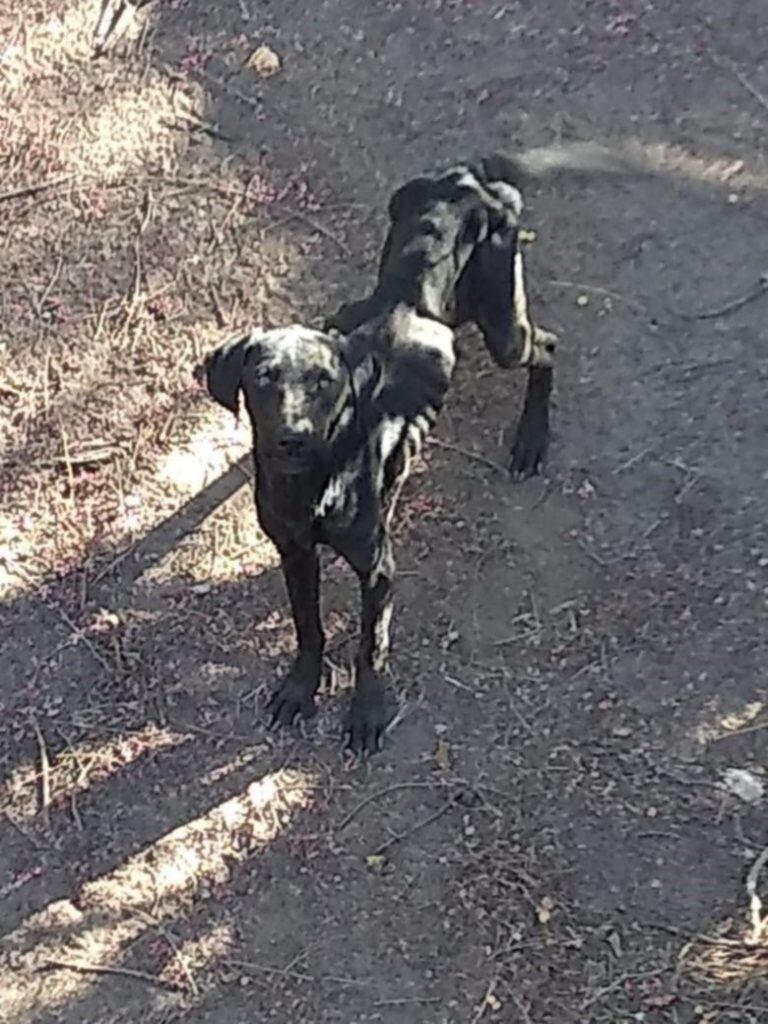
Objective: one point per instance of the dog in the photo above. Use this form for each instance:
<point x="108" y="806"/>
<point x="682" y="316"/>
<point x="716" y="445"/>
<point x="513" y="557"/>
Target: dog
<point x="338" y="414"/>
<point x="491" y="289"/>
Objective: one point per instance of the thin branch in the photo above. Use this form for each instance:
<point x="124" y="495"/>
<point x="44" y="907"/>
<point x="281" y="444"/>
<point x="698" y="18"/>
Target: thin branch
<point x="33" y="190"/>
<point x="726" y="64"/>
<point x="45" y="772"/>
<point x="480" y="1012"/>
<point x="467" y="454"/>
<point x="761" y="288"/>
<point x="759" y="923"/>
<point x="400" y="836"/>
<point x="85" y="967"/>
<point x="594" y="289"/>
<point x="249" y="965"/>
<point x="377" y="796"/>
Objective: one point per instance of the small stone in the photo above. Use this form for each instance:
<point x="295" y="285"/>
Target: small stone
<point x="264" y="61"/>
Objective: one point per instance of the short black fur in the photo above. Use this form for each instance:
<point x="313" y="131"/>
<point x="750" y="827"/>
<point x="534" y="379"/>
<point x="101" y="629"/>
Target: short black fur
<point x="428" y="215"/>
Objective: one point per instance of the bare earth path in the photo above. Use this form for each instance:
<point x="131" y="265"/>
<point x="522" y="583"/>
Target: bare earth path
<point x="552" y="834"/>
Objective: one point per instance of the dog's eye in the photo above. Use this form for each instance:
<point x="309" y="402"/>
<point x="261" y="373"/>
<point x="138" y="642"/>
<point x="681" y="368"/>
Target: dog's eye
<point x="322" y="381"/>
<point x="265" y="376"/>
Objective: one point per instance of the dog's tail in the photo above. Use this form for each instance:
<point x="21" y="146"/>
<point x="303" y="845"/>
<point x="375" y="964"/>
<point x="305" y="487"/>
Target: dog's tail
<point x="588" y="159"/>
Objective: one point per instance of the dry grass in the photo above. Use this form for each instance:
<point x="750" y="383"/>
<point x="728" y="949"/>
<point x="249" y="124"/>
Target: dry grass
<point x="143" y="251"/>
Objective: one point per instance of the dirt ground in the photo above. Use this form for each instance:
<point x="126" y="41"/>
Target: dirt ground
<point x="567" y="815"/>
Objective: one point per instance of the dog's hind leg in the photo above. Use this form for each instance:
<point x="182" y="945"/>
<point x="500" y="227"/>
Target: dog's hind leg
<point x="296" y="694"/>
<point x="529" y="447"/>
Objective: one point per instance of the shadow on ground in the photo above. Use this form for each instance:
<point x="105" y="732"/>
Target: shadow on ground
<point x="581" y="658"/>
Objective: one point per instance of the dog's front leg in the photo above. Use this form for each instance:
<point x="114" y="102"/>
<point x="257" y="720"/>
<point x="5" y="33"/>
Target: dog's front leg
<point x="368" y="713"/>
<point x="296" y="694"/>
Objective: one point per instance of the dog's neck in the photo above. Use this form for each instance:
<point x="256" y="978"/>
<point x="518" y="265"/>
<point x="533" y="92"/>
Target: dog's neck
<point x="422" y="275"/>
<point x="422" y="279"/>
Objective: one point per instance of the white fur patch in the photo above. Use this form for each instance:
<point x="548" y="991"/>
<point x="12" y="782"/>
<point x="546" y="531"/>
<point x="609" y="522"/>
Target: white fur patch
<point x="391" y="433"/>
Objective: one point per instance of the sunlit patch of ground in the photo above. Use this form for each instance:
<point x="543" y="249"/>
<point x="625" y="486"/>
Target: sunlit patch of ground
<point x="77" y="768"/>
<point x="710" y="168"/>
<point x="146" y="253"/>
<point x="188" y="865"/>
<point x="751" y="718"/>
<point x="727" y="963"/>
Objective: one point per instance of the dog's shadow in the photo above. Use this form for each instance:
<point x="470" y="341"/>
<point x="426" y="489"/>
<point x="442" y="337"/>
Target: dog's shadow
<point x="135" y="662"/>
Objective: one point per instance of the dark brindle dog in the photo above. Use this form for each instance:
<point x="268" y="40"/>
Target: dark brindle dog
<point x="338" y="417"/>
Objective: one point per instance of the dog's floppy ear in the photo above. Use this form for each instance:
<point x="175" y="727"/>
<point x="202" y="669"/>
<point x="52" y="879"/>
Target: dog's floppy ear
<point x="224" y="371"/>
<point x="409" y="197"/>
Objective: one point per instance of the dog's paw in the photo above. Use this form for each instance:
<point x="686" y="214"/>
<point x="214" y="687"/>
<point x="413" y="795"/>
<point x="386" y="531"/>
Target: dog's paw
<point x="367" y="719"/>
<point x="294" y="697"/>
<point x="529" y="449"/>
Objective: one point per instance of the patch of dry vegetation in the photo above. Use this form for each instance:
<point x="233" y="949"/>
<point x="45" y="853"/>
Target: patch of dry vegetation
<point x="130" y="249"/>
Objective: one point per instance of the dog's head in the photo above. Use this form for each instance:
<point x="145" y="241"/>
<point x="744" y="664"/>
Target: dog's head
<point x="477" y="275"/>
<point x="301" y="387"/>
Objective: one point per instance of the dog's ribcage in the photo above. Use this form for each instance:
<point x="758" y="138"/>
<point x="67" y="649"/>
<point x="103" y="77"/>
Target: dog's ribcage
<point x="412" y="398"/>
<point x="405" y="408"/>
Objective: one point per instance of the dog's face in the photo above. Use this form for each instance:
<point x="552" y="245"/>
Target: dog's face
<point x="478" y="221"/>
<point x="298" y="392"/>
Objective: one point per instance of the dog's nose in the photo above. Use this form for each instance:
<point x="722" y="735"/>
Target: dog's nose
<point x="293" y="444"/>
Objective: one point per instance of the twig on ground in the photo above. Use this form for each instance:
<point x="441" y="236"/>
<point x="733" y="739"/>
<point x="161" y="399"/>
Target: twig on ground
<point x="49" y="287"/>
<point x="68" y="465"/>
<point x="632" y="461"/>
<point x="474" y="456"/>
<point x="755" y="727"/>
<point x="527" y="1019"/>
<point x="601" y="993"/>
<point x="761" y="288"/>
<point x="75" y="812"/>
<point x="397" y="718"/>
<point x="519" y="715"/>
<point x="377" y="796"/>
<point x="111" y="566"/>
<point x="221" y="319"/>
<point x="138" y="272"/>
<point x="248" y="965"/>
<point x="759" y="923"/>
<point x="516" y="637"/>
<point x="85" y="967"/>
<point x="707" y="940"/>
<point x="182" y="960"/>
<point x="400" y="836"/>
<point x="254" y="104"/>
<point x="292" y="213"/>
<point x="595" y="289"/>
<point x="116" y="16"/>
<point x="191" y="123"/>
<point x="81" y="635"/>
<point x="34" y="189"/>
<point x="726" y="64"/>
<point x="45" y="772"/>
<point x="413" y="1001"/>
<point x="486" y="1001"/>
